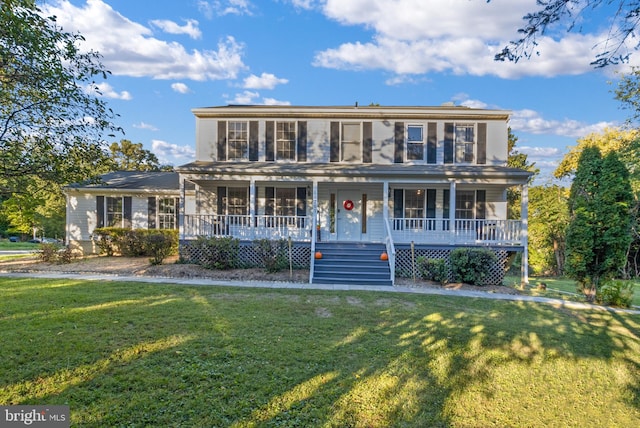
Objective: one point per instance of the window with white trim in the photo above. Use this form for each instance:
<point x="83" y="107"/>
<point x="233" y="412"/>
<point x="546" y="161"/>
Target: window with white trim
<point x="238" y="141"/>
<point x="415" y="142"/>
<point x="286" y="141"/>
<point x="464" y="142"/>
<point x="166" y="213"/>
<point x="465" y="203"/>
<point x="351" y="142"/>
<point x="113" y="212"/>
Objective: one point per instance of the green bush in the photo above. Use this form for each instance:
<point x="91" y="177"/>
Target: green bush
<point x="154" y="243"/>
<point x="616" y="293"/>
<point x="433" y="269"/>
<point x="54" y="253"/>
<point x="218" y="252"/>
<point x="273" y="254"/>
<point x="472" y="265"/>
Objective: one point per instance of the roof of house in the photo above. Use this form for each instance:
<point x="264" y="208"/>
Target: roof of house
<point x="133" y="180"/>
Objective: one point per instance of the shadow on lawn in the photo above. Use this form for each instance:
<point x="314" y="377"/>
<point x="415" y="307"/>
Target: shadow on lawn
<point x="122" y="354"/>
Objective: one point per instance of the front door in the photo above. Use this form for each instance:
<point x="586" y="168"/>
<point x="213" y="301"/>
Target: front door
<point x="349" y="221"/>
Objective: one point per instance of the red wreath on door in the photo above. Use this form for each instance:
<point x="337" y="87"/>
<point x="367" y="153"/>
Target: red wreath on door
<point x="348" y="205"/>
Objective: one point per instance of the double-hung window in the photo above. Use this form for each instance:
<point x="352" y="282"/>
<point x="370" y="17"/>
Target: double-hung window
<point x="415" y="142"/>
<point x="238" y="141"/>
<point x="286" y="204"/>
<point x="465" y="203"/>
<point x="166" y="213"/>
<point x="114" y="212"/>
<point x="286" y="141"/>
<point x="414" y="208"/>
<point x="351" y="142"/>
<point x="464" y="142"/>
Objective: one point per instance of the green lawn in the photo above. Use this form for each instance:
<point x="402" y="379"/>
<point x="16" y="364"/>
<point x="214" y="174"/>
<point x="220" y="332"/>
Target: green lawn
<point x="6" y="245"/>
<point x="134" y="354"/>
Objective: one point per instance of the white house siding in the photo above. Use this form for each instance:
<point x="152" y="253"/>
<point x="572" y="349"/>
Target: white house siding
<point x="81" y="216"/>
<point x="139" y="212"/>
<point x="206" y="140"/>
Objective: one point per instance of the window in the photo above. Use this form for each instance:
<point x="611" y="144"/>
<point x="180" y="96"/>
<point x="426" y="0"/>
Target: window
<point x="464" y="139"/>
<point x="238" y="137"/>
<point x="351" y="143"/>
<point x="286" y="204"/>
<point x="237" y="201"/>
<point x="166" y="213"/>
<point x="114" y="212"/>
<point x="415" y="142"/>
<point x="286" y="140"/>
<point x="465" y="200"/>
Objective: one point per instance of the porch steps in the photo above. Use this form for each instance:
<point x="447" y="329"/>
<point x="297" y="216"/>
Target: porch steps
<point x="351" y="263"/>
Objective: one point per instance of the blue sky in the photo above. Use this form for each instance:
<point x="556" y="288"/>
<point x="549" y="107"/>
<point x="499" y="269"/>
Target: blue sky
<point x="168" y="56"/>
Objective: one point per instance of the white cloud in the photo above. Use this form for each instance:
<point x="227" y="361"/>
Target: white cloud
<point x="143" y="125"/>
<point x="225" y="7"/>
<point x="413" y="37"/>
<point x="532" y="122"/>
<point x="180" y="88"/>
<point x="107" y="91"/>
<point x="128" y="48"/>
<point x="190" y="28"/>
<point x="167" y="152"/>
<point x="253" y="98"/>
<point x="264" y="81"/>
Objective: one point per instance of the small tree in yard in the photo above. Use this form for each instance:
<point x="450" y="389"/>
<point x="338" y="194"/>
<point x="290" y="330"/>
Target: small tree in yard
<point x="599" y="231"/>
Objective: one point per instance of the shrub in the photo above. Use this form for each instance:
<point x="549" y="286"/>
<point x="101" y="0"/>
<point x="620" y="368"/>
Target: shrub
<point x="272" y="253"/>
<point x="48" y="252"/>
<point x="472" y="265"/>
<point x="218" y="252"/>
<point x="157" y="244"/>
<point x="433" y="269"/>
<point x="616" y="293"/>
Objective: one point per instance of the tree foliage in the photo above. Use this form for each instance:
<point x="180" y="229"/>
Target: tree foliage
<point x="599" y="231"/>
<point x="621" y="16"/>
<point x="548" y="219"/>
<point x="128" y="156"/>
<point x="52" y="120"/>
<point x="516" y="159"/>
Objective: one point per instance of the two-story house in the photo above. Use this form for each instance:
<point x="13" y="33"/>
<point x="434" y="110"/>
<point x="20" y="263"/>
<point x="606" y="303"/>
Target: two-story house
<point x="407" y="181"/>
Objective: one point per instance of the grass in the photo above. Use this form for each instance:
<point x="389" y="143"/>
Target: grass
<point x="560" y="287"/>
<point x="6" y="245"/>
<point x="135" y="354"/>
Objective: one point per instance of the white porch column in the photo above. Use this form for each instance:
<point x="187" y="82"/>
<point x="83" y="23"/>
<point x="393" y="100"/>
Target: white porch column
<point x="315" y="218"/>
<point x="385" y="200"/>
<point x="181" y="211"/>
<point x="252" y="206"/>
<point x="452" y="211"/>
<point x="524" y="216"/>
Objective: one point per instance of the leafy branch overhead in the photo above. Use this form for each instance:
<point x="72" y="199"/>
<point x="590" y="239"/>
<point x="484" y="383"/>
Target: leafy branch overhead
<point x="52" y="120"/>
<point x="621" y="16"/>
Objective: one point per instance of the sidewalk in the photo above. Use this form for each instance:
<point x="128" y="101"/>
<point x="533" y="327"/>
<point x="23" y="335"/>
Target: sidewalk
<point x="306" y="286"/>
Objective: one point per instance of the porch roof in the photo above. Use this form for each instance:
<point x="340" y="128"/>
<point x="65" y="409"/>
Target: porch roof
<point x="372" y="172"/>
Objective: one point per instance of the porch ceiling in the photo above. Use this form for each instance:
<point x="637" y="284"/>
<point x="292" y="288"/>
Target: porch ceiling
<point x="365" y="172"/>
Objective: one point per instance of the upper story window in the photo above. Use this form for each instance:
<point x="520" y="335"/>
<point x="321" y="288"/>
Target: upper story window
<point x="464" y="142"/>
<point x="286" y="141"/>
<point x="238" y="141"/>
<point x="415" y="142"/>
<point x="114" y="212"/>
<point x="351" y="143"/>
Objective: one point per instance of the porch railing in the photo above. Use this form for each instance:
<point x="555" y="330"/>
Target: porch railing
<point x="431" y="230"/>
<point x="248" y="227"/>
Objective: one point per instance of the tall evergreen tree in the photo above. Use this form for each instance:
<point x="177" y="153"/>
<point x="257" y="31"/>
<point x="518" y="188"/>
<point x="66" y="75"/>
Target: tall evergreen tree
<point x="599" y="232"/>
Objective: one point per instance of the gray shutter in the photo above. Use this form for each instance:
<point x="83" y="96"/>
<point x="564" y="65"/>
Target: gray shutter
<point x="100" y="211"/>
<point x="253" y="140"/>
<point x="482" y="143"/>
<point x="481" y="204"/>
<point x="302" y="141"/>
<point x="222" y="196"/>
<point x="334" y="142"/>
<point x="446" y="194"/>
<point x="151" y="213"/>
<point x="177" y="214"/>
<point x="448" y="143"/>
<point x="270" y="200"/>
<point x="432" y="142"/>
<point x="269" y="141"/>
<point x="398" y="203"/>
<point x="127" y="212"/>
<point x="431" y="203"/>
<point x="398" y="137"/>
<point x="367" y="143"/>
<point x="222" y="140"/>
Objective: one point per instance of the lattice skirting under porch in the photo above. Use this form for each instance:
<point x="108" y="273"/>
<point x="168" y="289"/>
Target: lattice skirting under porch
<point x="249" y="257"/>
<point x="405" y="261"/>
